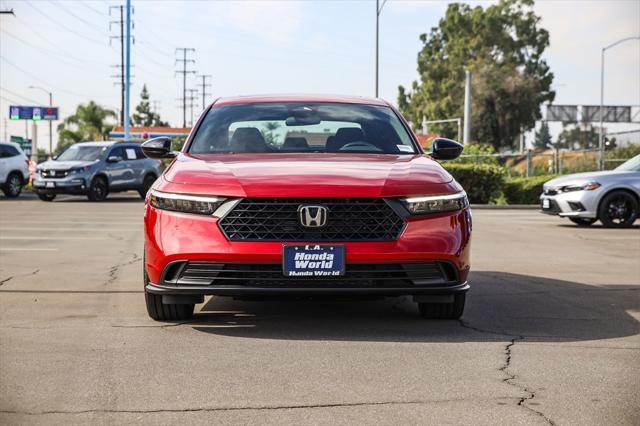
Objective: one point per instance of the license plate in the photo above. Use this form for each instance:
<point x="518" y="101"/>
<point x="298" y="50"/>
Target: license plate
<point x="545" y="203"/>
<point x="50" y="185"/>
<point x="313" y="260"/>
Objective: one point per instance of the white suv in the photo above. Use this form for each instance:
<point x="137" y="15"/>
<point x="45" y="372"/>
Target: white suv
<point x="14" y="169"/>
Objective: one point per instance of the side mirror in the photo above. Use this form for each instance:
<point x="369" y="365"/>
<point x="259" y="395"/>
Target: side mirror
<point x="55" y="157"/>
<point x="446" y="149"/>
<point x="114" y="159"/>
<point x="158" y="148"/>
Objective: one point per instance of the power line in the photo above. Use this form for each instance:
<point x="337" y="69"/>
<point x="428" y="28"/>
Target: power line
<point x="86" y="4"/>
<point x="184" y="60"/>
<point x="20" y="96"/>
<point x="82" y="36"/>
<point x="84" y="21"/>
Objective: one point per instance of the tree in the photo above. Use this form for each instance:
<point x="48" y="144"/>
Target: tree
<point x="582" y="136"/>
<point x="144" y="116"/>
<point x="543" y="137"/>
<point x="502" y="46"/>
<point x="91" y="122"/>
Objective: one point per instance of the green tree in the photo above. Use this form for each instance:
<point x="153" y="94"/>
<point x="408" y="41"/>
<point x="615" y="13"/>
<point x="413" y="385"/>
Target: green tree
<point x="91" y="122"/>
<point x="579" y="136"/>
<point x="270" y="136"/>
<point x="543" y="137"/>
<point x="144" y="116"/>
<point x="502" y="46"/>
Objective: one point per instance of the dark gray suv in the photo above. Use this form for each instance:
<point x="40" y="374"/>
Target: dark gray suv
<point x="95" y="169"/>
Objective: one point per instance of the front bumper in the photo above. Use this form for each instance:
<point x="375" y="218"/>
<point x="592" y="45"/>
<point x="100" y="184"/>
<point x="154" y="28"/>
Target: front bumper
<point x="172" y="237"/>
<point x="70" y="185"/>
<point x="571" y="204"/>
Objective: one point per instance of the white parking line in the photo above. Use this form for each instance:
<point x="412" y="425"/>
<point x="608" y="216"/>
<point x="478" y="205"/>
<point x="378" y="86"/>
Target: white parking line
<point x="76" y="229"/>
<point x="53" y="238"/>
<point x="27" y="249"/>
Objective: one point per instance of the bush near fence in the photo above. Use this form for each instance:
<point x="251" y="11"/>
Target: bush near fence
<point x="524" y="190"/>
<point x="483" y="182"/>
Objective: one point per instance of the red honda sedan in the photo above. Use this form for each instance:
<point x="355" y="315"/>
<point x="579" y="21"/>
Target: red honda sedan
<point x="305" y="196"/>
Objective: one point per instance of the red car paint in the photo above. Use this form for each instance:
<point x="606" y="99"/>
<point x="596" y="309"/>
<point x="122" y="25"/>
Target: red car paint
<point x="173" y="236"/>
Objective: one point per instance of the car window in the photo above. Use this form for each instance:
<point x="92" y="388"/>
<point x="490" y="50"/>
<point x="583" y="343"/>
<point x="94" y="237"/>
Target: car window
<point x="631" y="165"/>
<point x="3" y="152"/>
<point x="117" y="151"/>
<point x="130" y="153"/>
<point x="8" y="151"/>
<point x="302" y="127"/>
<point x="139" y="154"/>
<point x="82" y="153"/>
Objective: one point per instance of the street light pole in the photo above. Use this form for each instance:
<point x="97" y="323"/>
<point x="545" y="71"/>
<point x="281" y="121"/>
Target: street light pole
<point x="50" y="125"/>
<point x="378" y="11"/>
<point x="601" y="132"/>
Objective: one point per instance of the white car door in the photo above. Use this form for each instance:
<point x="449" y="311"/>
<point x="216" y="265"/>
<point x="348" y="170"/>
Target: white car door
<point x="4" y="163"/>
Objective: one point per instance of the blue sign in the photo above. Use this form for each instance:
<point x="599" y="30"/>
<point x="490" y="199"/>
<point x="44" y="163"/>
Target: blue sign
<point x="33" y="113"/>
<point x="313" y="260"/>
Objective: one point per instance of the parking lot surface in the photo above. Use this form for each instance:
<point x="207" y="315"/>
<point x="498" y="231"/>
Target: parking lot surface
<point x="550" y="334"/>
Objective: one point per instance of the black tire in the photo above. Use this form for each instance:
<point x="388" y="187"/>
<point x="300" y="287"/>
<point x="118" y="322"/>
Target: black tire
<point x="146" y="185"/>
<point x="164" y="312"/>
<point x="452" y="311"/>
<point x="47" y="197"/>
<point x="13" y="187"/>
<point x="583" y="221"/>
<point x="99" y="189"/>
<point x="618" y="209"/>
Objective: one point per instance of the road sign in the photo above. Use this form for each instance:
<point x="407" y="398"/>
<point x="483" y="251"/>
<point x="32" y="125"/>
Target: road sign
<point x="25" y="144"/>
<point x="564" y="113"/>
<point x="33" y="113"/>
<point x="612" y="114"/>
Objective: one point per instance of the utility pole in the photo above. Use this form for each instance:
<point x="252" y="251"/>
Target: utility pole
<point x="155" y="106"/>
<point x="184" y="60"/>
<point x="203" y="90"/>
<point x="121" y="38"/>
<point x="467" y="108"/>
<point x="192" y="99"/>
<point x="378" y="11"/>
<point x="127" y="74"/>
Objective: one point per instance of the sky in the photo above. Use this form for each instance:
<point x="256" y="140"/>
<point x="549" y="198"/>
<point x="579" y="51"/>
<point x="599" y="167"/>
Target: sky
<point x="285" y="46"/>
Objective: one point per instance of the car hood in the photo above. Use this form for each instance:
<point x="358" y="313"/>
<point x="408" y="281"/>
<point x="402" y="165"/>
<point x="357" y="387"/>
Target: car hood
<point x="601" y="176"/>
<point x="64" y="165"/>
<point x="308" y="175"/>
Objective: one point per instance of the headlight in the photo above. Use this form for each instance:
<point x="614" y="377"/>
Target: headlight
<point x="436" y="203"/>
<point x="80" y="170"/>
<point x="589" y="186"/>
<point x="196" y="204"/>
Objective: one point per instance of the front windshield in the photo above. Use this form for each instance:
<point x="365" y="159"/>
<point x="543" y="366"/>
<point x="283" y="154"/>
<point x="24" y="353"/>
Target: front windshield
<point x="82" y="153"/>
<point x="631" y="165"/>
<point x="302" y="127"/>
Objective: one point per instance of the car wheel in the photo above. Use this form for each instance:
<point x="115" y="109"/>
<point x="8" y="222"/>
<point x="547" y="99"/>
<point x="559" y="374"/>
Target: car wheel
<point x="161" y="311"/>
<point x="443" y="310"/>
<point x="583" y="221"/>
<point x="47" y="197"/>
<point x="146" y="185"/>
<point x="98" y="189"/>
<point x="618" y="209"/>
<point x="13" y="187"/>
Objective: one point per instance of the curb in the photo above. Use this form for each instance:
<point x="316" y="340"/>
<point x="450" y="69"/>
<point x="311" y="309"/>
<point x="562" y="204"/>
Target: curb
<point x="505" y="207"/>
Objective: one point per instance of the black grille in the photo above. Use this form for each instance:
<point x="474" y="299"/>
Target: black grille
<point x="553" y="207"/>
<point x="357" y="275"/>
<point x="276" y="219"/>
<point x="54" y="174"/>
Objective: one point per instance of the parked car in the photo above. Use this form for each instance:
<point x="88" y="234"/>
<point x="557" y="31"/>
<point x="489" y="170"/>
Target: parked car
<point x="14" y="169"/>
<point x="96" y="169"/>
<point x="613" y="196"/>
<point x="305" y="196"/>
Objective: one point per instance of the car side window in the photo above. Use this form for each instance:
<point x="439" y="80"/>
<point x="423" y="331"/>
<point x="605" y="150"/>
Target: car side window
<point x="117" y="152"/>
<point x="129" y="153"/>
<point x="3" y="152"/>
<point x="139" y="154"/>
<point x="8" y="151"/>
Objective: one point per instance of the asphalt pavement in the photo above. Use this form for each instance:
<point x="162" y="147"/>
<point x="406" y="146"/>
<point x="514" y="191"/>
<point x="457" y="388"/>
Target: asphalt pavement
<point x="550" y="334"/>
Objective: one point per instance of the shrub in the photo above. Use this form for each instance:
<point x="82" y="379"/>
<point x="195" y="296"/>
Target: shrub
<point x="477" y="154"/>
<point x="482" y="182"/>
<point x="524" y="190"/>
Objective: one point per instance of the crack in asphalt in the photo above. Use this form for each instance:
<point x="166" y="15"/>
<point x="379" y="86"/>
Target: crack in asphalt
<point x="19" y="275"/>
<point x="245" y="408"/>
<point x="115" y="269"/>
<point x="510" y="377"/>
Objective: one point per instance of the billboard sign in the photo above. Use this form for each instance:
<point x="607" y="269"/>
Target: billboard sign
<point x="33" y="113"/>
<point x="612" y="114"/>
<point x="564" y="113"/>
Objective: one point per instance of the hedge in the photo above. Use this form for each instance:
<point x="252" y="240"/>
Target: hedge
<point x="482" y="182"/>
<point x="524" y="190"/>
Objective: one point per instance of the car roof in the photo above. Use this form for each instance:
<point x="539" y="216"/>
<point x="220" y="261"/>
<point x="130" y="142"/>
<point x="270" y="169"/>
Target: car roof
<point x="301" y="98"/>
<point x="96" y="143"/>
<point x="13" y="144"/>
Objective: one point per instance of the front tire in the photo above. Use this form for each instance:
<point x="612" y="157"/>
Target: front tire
<point x="451" y="311"/>
<point x="98" y="189"/>
<point x="583" y="221"/>
<point x="161" y="311"/>
<point x="618" y="209"/>
<point x="146" y="185"/>
<point x="13" y="187"/>
<point x="47" y="197"/>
